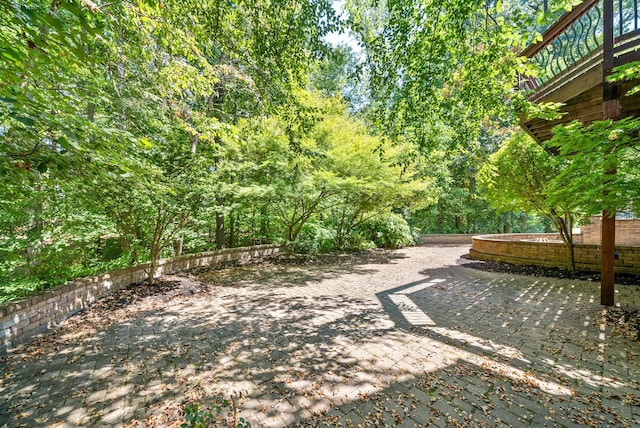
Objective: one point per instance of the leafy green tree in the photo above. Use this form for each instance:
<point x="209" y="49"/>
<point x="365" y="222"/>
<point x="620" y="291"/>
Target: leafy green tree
<point x="364" y="175"/>
<point x="119" y="105"/>
<point x="334" y="175"/>
<point x="339" y="73"/>
<point x="440" y="74"/>
<point x="601" y="165"/>
<point x="601" y="160"/>
<point x="519" y="176"/>
<point x="444" y="65"/>
<point x="368" y="179"/>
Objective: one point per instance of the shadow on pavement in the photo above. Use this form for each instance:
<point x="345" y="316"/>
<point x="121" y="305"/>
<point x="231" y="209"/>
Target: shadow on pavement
<point x="338" y="343"/>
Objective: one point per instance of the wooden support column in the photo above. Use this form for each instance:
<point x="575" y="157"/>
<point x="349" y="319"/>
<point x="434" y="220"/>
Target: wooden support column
<point x="608" y="248"/>
<point x="610" y="110"/>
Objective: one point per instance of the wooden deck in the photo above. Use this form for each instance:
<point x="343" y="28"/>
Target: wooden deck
<point x="570" y="58"/>
<point x="575" y="57"/>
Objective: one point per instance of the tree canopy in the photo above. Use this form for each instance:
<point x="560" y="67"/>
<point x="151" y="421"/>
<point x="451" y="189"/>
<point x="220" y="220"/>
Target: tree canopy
<point x="131" y="131"/>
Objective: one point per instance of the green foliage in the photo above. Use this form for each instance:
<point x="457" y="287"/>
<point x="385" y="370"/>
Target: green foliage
<point x="441" y="77"/>
<point x="600" y="165"/>
<point x="355" y="242"/>
<point x="132" y="131"/>
<point x="389" y="230"/>
<point x="520" y="177"/>
<point x="517" y="175"/>
<point x="315" y="237"/>
<point x="221" y="413"/>
<point x="21" y="282"/>
<point x="436" y="66"/>
<point x="627" y="72"/>
<point x="117" y="114"/>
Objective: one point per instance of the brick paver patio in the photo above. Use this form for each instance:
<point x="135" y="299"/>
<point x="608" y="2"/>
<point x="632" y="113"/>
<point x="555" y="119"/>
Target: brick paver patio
<point x="404" y="338"/>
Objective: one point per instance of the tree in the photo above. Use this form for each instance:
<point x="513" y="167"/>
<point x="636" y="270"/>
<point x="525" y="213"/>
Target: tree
<point x="590" y="153"/>
<point x="519" y="176"/>
<point x="436" y="65"/>
<point x="601" y="159"/>
<point x="444" y="65"/>
<point x="440" y="74"/>
<point x="119" y="104"/>
<point x="365" y="174"/>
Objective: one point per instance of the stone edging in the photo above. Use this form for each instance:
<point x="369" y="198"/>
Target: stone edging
<point x="22" y="319"/>
<point x="523" y="249"/>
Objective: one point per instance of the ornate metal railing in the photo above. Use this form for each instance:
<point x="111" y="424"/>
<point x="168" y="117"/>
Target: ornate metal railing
<point x="626" y="17"/>
<point x="575" y="40"/>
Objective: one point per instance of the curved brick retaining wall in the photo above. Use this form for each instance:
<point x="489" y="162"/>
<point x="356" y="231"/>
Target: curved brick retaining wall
<point x="440" y="239"/>
<point x="531" y="249"/>
<point x="22" y="319"/>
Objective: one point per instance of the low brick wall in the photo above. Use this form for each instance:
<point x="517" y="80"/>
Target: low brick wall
<point x="22" y="319"/>
<point x="627" y="231"/>
<point x="463" y="239"/>
<point x="530" y="249"/>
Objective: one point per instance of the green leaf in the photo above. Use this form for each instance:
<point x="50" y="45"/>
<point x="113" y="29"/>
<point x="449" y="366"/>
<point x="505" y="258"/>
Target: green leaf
<point x="11" y="54"/>
<point x="27" y="121"/>
<point x="146" y="142"/>
<point x="66" y="144"/>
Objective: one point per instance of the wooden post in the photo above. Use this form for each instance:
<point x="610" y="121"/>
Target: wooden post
<point x="610" y="110"/>
<point x="607" y="271"/>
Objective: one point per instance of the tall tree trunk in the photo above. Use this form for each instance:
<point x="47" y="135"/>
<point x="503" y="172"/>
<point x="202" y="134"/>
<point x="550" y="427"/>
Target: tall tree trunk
<point x="571" y="255"/>
<point x="178" y="247"/>
<point x="154" y="261"/>
<point x="161" y="239"/>
<point x="153" y="267"/>
<point x="264" y="223"/>
<point x="232" y="231"/>
<point x="607" y="258"/>
<point x="220" y="235"/>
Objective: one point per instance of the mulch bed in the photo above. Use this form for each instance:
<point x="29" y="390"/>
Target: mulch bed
<point x="621" y="278"/>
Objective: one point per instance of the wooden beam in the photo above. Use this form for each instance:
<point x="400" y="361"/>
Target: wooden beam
<point x="627" y="57"/>
<point x="576" y="86"/>
<point x="585" y="76"/>
<point x="610" y="110"/>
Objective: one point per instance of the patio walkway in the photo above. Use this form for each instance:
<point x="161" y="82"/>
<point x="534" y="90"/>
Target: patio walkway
<point x="404" y="338"/>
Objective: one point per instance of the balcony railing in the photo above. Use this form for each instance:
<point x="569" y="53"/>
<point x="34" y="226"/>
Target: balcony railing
<point x="573" y="44"/>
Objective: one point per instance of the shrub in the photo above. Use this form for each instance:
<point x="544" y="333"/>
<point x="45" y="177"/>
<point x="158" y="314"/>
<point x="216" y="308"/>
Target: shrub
<point x="388" y="230"/>
<point x="315" y="238"/>
<point x="357" y="241"/>
<point x="221" y="413"/>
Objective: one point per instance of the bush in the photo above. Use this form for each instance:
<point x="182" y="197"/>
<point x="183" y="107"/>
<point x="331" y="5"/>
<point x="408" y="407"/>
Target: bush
<point x="195" y="242"/>
<point x="315" y="238"/>
<point x="357" y="241"/>
<point x="388" y="230"/>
